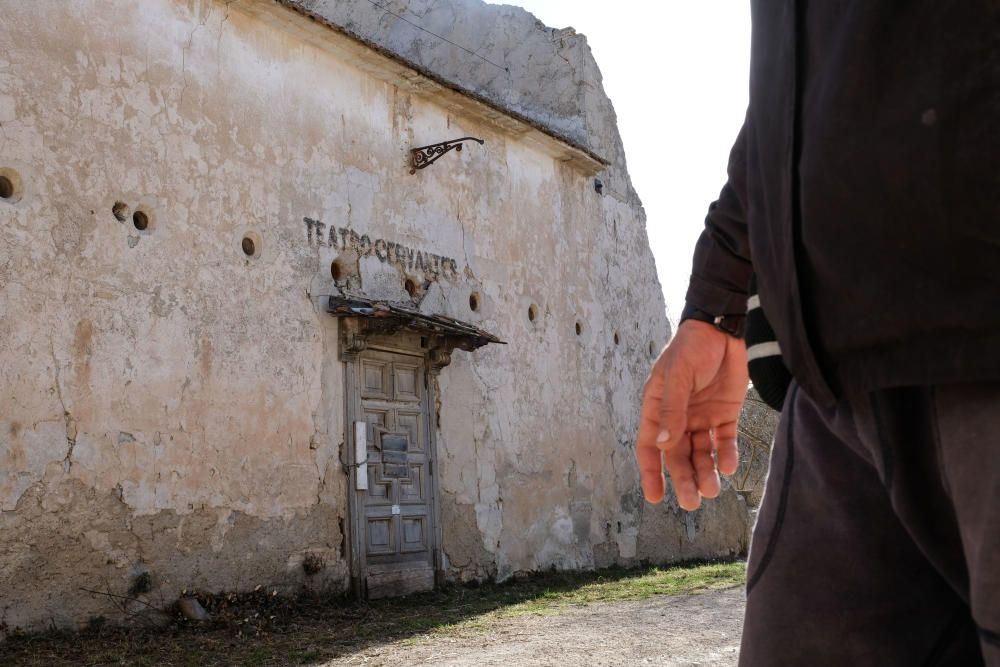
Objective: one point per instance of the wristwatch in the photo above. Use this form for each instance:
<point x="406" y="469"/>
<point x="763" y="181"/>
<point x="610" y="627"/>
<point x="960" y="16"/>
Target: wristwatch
<point x="732" y="324"/>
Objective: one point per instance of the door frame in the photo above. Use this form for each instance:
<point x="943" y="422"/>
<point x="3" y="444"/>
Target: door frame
<point x="354" y="341"/>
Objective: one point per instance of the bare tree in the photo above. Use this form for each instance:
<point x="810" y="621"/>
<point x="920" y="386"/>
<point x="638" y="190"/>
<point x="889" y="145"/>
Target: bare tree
<point x="757" y="426"/>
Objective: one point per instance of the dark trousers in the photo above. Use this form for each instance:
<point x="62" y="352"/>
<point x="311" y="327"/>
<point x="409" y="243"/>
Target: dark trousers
<point x="878" y="539"/>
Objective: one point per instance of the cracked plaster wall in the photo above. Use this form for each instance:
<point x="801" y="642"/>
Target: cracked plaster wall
<point x="502" y="53"/>
<point x="169" y="405"/>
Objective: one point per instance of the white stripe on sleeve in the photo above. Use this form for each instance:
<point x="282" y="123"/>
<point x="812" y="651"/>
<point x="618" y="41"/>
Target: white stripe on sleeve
<point x="768" y="349"/>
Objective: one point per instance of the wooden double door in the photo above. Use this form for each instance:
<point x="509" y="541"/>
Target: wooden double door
<point x="395" y="540"/>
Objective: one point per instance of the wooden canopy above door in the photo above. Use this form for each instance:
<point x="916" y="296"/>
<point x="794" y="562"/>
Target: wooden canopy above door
<point x="367" y="318"/>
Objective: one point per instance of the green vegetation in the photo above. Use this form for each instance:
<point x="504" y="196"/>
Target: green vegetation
<point x="312" y="630"/>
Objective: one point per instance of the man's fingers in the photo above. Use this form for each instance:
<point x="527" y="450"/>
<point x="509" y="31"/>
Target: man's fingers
<point x="678" y="382"/>
<point x="726" y="450"/>
<point x="646" y="451"/>
<point x="706" y="476"/>
<point x="698" y="357"/>
<point x="651" y="472"/>
<point x="682" y="473"/>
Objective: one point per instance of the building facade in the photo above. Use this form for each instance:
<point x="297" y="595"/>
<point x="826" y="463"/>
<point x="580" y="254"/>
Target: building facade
<point x="246" y="341"/>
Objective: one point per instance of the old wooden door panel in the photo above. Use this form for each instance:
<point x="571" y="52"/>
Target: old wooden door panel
<point x="397" y="517"/>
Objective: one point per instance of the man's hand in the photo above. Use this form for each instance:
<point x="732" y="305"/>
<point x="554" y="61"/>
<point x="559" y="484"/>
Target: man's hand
<point x="690" y="406"/>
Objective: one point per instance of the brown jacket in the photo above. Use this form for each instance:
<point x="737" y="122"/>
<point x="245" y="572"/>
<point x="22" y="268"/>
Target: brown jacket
<point x="864" y="192"/>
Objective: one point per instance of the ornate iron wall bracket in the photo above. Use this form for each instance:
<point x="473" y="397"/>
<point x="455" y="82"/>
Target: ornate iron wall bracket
<point x="427" y="155"/>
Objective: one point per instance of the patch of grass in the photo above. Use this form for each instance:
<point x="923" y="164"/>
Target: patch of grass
<point x="313" y="629"/>
<point x="611" y="586"/>
<point x="614" y="585"/>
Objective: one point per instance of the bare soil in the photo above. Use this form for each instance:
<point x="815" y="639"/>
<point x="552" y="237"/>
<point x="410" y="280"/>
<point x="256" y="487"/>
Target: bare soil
<point x="682" y="615"/>
<point x="697" y="629"/>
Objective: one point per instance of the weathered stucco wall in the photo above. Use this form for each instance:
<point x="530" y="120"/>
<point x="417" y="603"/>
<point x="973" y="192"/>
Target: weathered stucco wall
<point x="547" y="75"/>
<point x="169" y="405"/>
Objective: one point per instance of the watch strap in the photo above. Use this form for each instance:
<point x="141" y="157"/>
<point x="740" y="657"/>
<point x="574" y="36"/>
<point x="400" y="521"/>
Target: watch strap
<point x="732" y="323"/>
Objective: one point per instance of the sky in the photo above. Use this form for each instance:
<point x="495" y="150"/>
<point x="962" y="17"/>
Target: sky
<point x="677" y="74"/>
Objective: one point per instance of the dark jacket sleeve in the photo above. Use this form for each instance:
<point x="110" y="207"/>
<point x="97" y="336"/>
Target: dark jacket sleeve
<point x="720" y="275"/>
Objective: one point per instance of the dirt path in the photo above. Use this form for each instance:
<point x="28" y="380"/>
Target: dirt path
<point x="688" y="614"/>
<point x="698" y="629"/>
